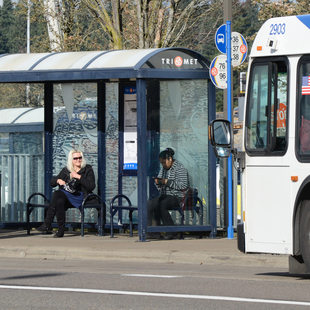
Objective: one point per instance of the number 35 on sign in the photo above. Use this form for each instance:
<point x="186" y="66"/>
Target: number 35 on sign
<point x="218" y="71"/>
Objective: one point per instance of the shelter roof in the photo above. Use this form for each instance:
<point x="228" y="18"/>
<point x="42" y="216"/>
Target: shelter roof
<point x="96" y="65"/>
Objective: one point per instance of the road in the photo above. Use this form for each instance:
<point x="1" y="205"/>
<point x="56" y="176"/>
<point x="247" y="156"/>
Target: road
<point x="68" y="284"/>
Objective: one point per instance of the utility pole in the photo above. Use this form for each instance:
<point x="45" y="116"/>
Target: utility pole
<point x="28" y="50"/>
<point x="227" y="16"/>
<point x="227" y="178"/>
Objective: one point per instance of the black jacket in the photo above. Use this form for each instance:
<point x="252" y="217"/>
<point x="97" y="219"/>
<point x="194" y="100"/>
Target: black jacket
<point x="85" y="184"/>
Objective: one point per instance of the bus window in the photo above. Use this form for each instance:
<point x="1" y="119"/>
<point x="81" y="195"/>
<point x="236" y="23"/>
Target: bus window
<point x="303" y="111"/>
<point x="266" y="125"/>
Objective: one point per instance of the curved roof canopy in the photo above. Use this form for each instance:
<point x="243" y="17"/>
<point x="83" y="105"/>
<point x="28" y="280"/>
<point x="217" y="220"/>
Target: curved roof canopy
<point x="22" y="120"/>
<point x="74" y="66"/>
<point x="21" y="116"/>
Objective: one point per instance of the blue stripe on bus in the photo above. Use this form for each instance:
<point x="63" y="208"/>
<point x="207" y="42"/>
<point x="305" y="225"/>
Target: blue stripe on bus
<point x="305" y="19"/>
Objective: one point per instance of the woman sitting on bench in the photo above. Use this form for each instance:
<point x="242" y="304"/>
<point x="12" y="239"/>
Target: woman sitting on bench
<point x="75" y="181"/>
<point x="171" y="182"/>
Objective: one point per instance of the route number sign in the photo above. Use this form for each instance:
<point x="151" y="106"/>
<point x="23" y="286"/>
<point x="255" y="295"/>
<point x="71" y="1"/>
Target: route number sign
<point x="218" y="71"/>
<point x="239" y="49"/>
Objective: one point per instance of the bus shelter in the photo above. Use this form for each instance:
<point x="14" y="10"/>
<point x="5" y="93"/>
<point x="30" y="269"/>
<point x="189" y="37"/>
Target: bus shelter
<point x="121" y="108"/>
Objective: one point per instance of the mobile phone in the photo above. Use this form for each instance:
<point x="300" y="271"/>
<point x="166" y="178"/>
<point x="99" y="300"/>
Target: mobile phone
<point x="159" y="180"/>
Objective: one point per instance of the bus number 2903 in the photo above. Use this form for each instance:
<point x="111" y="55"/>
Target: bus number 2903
<point x="277" y="29"/>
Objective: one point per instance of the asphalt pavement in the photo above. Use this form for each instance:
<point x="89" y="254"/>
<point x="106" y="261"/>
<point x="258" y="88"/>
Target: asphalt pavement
<point x="190" y="250"/>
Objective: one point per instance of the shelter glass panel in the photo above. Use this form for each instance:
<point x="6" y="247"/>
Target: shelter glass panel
<point x="112" y="140"/>
<point x="183" y="126"/>
<point x="21" y="149"/>
<point x="75" y="127"/>
<point x="116" y="180"/>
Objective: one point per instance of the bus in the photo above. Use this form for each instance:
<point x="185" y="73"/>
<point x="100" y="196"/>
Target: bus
<point x="275" y="156"/>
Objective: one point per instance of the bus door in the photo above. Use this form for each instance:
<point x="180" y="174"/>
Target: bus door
<point x="266" y="140"/>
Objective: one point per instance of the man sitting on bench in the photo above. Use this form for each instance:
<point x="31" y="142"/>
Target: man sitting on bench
<point x="75" y="181"/>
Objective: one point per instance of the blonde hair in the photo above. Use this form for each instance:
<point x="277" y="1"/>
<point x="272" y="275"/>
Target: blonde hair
<point x="70" y="160"/>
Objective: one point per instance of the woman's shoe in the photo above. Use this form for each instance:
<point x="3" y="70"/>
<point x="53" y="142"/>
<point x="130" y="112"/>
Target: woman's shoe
<point x="59" y="234"/>
<point x="44" y="229"/>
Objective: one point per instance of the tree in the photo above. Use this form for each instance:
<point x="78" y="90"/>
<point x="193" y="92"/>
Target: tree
<point x="201" y="30"/>
<point x="246" y="22"/>
<point x="275" y="8"/>
<point x="82" y="31"/>
<point x="6" y="24"/>
<point x="148" y="23"/>
<point x="62" y="26"/>
<point x="53" y="15"/>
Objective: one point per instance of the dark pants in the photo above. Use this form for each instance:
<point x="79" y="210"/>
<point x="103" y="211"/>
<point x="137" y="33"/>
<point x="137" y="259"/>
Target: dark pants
<point x="58" y="206"/>
<point x="158" y="209"/>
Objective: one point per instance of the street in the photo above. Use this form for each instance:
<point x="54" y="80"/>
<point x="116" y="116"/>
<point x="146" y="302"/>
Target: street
<point x="73" y="284"/>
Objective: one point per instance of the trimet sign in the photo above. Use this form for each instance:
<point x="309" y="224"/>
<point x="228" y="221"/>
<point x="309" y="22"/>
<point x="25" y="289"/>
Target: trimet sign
<point x="179" y="61"/>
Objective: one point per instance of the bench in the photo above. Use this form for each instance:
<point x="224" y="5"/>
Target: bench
<point x="86" y="204"/>
<point x="117" y="206"/>
<point x="191" y="202"/>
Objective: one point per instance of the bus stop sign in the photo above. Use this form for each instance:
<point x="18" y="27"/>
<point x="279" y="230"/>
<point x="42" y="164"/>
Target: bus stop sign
<point x="220" y="39"/>
<point x="239" y="47"/>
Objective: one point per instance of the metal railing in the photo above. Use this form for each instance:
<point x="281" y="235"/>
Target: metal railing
<point x="21" y="175"/>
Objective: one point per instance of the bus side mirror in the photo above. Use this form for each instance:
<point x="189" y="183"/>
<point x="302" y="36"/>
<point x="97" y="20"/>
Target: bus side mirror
<point x="220" y="137"/>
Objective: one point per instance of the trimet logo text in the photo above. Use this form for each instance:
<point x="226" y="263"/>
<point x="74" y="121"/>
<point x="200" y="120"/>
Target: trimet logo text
<point x="178" y="61"/>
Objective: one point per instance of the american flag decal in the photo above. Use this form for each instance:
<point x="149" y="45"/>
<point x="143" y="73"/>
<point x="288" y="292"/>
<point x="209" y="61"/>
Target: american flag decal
<point x="305" y="87"/>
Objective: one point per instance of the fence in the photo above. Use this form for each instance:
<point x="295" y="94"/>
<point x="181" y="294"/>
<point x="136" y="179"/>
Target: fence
<point x="21" y="175"/>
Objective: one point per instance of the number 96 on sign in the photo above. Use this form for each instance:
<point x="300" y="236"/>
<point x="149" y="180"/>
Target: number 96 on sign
<point x="218" y="71"/>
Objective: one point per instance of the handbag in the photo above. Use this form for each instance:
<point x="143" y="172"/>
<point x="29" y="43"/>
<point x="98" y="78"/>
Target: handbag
<point x="189" y="199"/>
<point x="70" y="186"/>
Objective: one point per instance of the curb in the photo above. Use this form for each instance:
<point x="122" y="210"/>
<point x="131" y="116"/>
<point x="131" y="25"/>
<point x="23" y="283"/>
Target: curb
<point x="151" y="256"/>
<point x="122" y="248"/>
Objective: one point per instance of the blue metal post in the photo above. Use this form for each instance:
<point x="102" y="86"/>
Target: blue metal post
<point x="142" y="158"/>
<point x="212" y="164"/>
<point x="48" y="138"/>
<point x="101" y="112"/>
<point x="230" y="229"/>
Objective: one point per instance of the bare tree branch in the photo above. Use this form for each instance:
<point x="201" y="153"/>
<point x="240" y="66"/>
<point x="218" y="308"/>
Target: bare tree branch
<point x="111" y="24"/>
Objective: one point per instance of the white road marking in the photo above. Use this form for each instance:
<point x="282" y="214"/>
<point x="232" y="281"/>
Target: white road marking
<point x="150" y="294"/>
<point x="149" y="275"/>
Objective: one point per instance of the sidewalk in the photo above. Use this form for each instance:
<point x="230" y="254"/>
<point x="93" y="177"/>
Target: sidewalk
<point x="16" y="244"/>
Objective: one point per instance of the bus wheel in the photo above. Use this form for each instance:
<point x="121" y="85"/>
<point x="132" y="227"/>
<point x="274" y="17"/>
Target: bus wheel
<point x="305" y="233"/>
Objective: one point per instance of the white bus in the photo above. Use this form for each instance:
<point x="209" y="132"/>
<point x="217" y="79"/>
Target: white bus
<point x="276" y="143"/>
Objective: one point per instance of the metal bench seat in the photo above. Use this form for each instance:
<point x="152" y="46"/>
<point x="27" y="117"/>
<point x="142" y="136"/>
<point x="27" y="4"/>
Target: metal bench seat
<point x="116" y="206"/>
<point x="88" y="203"/>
